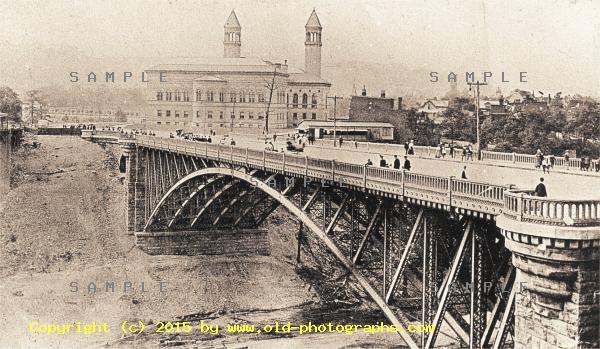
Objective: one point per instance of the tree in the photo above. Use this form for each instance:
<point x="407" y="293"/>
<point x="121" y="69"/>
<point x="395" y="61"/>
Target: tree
<point x="585" y="124"/>
<point x="37" y="105"/>
<point x="458" y="125"/>
<point x="10" y="104"/>
<point x="271" y="86"/>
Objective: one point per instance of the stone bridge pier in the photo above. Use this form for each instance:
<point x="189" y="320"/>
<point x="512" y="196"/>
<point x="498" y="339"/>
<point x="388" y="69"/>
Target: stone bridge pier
<point x="558" y="265"/>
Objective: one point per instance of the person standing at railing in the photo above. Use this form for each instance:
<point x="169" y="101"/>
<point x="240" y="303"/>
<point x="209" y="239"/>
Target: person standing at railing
<point x="540" y="189"/>
<point x="396" y="162"/>
<point x="369" y="162"/>
<point x="566" y="155"/>
<point x="539" y="157"/>
<point x="406" y="165"/>
<point x="469" y="152"/>
<point x="546" y="165"/>
<point x="382" y="162"/>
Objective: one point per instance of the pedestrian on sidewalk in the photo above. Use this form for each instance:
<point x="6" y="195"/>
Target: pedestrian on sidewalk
<point x="469" y="152"/>
<point x="405" y="148"/>
<point x="463" y="175"/>
<point x="566" y="156"/>
<point x="540" y="189"/>
<point x="382" y="162"/>
<point x="396" y="162"/>
<point x="546" y="165"/>
<point x="411" y="148"/>
<point x="406" y="165"/>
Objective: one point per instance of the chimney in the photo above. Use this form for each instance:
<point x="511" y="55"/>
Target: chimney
<point x="382" y="93"/>
<point x="364" y="91"/>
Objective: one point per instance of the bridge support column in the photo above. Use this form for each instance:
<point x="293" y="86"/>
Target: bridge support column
<point x="135" y="180"/>
<point x="557" y="284"/>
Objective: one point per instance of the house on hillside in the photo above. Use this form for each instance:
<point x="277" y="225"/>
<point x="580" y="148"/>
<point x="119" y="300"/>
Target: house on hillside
<point x="433" y="109"/>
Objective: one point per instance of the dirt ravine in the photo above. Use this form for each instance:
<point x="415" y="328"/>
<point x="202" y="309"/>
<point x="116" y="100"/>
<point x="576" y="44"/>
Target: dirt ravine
<point x="63" y="227"/>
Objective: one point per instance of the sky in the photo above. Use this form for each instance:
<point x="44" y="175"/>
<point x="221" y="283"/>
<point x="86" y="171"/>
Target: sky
<point x="557" y="42"/>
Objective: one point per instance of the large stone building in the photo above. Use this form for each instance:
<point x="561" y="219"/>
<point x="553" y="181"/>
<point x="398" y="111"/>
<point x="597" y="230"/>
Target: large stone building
<point x="232" y="94"/>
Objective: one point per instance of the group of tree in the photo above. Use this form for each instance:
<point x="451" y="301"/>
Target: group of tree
<point x="575" y="126"/>
<point x="10" y="104"/>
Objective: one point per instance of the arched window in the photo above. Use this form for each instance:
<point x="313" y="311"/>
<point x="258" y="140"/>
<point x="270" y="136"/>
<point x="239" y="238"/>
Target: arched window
<point x="304" y="100"/>
<point x="314" y="100"/>
<point x="295" y="100"/>
<point x="198" y="95"/>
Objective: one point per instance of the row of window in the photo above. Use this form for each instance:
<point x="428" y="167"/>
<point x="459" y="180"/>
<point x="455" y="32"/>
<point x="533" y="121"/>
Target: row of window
<point x="304" y="116"/>
<point x="232" y="115"/>
<point x="210" y="125"/>
<point x="237" y="97"/>
<point x="221" y="115"/>
<point x="176" y="113"/>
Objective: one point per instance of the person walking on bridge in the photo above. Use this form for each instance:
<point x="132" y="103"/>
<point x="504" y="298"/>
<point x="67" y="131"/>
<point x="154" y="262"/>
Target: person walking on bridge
<point x="411" y="148"/>
<point x="382" y="162"/>
<point x="396" y="162"/>
<point x="540" y="189"/>
<point x="406" y="165"/>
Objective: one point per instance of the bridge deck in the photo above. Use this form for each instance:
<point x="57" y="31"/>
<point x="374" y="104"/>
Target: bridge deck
<point x="480" y="199"/>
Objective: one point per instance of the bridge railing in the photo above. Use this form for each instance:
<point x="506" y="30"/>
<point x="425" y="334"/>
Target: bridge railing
<point x="522" y="206"/>
<point x="425" y="151"/>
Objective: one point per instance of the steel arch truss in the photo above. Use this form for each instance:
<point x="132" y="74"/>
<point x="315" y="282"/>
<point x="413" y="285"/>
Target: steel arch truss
<point x="419" y="265"/>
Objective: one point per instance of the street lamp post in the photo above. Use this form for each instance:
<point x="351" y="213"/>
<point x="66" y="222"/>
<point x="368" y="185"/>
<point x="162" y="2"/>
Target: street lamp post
<point x="477" y="84"/>
<point x="335" y="98"/>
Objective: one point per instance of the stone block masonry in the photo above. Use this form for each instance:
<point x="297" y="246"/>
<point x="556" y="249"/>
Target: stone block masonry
<point x="210" y="242"/>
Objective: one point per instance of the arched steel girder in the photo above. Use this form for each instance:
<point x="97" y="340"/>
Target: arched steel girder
<point x="308" y="222"/>
<point x="213" y="199"/>
<point x="163" y="199"/>
<point x="237" y="199"/>
<point x="198" y="190"/>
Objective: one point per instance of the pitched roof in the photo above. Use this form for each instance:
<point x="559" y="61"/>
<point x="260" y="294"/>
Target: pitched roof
<point x="313" y="20"/>
<point x="232" y="21"/>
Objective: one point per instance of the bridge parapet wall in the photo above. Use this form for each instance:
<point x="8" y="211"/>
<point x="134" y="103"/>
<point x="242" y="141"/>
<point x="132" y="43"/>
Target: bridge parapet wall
<point x="556" y="249"/>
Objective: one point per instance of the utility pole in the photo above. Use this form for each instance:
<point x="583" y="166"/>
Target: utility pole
<point x="335" y="98"/>
<point x="477" y="84"/>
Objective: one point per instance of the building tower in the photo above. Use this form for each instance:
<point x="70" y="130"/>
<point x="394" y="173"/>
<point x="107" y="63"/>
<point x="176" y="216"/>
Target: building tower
<point x="232" y="42"/>
<point x="312" y="45"/>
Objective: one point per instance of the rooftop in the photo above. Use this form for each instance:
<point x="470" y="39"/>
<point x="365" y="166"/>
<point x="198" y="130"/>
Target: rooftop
<point x="320" y="123"/>
<point x="250" y="64"/>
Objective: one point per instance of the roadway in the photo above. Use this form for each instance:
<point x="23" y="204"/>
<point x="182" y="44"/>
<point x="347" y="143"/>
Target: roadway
<point x="560" y="184"/>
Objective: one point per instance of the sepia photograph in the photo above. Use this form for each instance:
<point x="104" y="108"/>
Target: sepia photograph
<point x="286" y="174"/>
